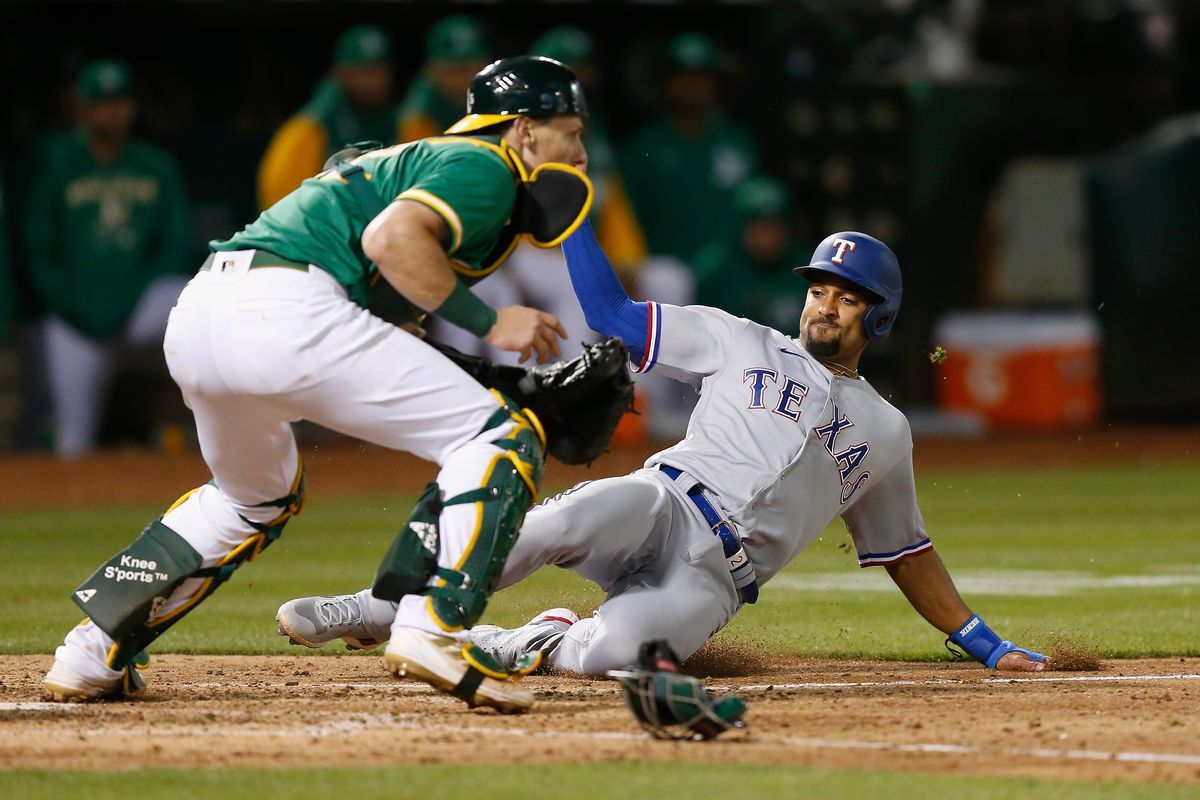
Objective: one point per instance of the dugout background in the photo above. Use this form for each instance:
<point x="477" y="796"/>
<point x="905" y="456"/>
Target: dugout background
<point x="867" y="136"/>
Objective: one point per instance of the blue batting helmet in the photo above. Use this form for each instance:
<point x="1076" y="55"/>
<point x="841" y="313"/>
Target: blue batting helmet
<point x="868" y="263"/>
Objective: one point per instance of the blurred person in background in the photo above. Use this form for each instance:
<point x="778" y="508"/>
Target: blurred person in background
<point x="681" y="171"/>
<point x="612" y="215"/>
<point x="456" y="48"/>
<point x="105" y="232"/>
<point x="353" y="103"/>
<point x="538" y="277"/>
<point x="683" y="168"/>
<point x="747" y="271"/>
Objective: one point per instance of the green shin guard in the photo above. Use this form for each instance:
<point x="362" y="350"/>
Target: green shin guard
<point x="460" y="597"/>
<point x="412" y="558"/>
<point x="461" y="594"/>
<point x="124" y="596"/>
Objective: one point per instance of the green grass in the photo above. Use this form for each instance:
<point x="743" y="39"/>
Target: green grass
<point x="577" y="781"/>
<point x="1094" y="524"/>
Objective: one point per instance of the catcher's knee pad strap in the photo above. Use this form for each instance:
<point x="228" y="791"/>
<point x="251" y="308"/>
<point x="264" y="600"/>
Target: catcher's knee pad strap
<point x="525" y="444"/>
<point x="290" y="505"/>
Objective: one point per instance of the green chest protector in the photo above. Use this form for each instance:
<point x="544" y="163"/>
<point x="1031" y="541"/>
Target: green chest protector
<point x="549" y="205"/>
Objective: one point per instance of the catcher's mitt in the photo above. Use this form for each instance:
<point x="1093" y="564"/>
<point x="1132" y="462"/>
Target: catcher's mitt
<point x="671" y="705"/>
<point x="579" y="401"/>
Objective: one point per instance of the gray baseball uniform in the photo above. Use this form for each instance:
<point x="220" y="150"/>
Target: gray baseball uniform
<point x="781" y="445"/>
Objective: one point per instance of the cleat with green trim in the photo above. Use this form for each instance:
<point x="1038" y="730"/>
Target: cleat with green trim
<point x="459" y="669"/>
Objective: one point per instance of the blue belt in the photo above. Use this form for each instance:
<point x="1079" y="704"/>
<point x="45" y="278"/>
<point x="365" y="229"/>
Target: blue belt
<point x="731" y="543"/>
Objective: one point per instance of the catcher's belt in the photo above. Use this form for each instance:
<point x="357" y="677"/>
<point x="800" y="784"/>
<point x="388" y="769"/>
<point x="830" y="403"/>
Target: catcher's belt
<point x="741" y="568"/>
<point x="260" y="259"/>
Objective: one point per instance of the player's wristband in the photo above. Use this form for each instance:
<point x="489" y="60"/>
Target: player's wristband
<point x="464" y="309"/>
<point x="983" y="645"/>
<point x="978" y="640"/>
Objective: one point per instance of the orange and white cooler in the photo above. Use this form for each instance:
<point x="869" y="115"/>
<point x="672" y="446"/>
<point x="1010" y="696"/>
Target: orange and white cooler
<point x="1020" y="369"/>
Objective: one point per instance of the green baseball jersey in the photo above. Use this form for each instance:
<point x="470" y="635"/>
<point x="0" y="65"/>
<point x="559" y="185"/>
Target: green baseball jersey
<point x="681" y="187"/>
<point x="97" y="234"/>
<point x="469" y="181"/>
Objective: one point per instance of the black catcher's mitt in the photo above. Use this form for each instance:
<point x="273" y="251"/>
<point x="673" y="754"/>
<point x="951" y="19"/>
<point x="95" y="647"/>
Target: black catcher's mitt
<point x="579" y="401"/>
<point x="671" y="705"/>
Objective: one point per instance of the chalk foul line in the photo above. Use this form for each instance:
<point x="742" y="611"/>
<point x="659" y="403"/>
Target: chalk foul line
<point x="961" y="681"/>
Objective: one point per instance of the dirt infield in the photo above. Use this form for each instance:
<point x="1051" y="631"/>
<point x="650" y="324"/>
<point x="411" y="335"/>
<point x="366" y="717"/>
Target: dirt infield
<point x="344" y="468"/>
<point x="1132" y="720"/>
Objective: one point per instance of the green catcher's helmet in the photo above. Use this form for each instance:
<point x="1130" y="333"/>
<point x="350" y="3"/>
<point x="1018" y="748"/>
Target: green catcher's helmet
<point x="520" y="86"/>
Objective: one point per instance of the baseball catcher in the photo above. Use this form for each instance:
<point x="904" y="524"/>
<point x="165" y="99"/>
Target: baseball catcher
<point x="277" y="325"/>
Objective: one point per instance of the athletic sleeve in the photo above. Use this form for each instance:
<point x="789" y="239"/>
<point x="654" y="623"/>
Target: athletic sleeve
<point x="885" y="523"/>
<point x="607" y="309"/>
<point x="473" y="191"/>
<point x="696" y="338"/>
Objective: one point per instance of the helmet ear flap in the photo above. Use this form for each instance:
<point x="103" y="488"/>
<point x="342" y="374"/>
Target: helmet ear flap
<point x="877" y="322"/>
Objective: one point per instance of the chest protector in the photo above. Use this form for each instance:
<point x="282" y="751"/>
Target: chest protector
<point x="548" y="205"/>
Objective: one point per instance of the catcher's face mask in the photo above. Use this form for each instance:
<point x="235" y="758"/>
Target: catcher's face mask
<point x="671" y="705"/>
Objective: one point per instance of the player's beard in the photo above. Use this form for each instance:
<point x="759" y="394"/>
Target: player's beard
<point x="823" y="348"/>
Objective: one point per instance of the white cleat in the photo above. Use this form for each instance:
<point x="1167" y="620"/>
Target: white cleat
<point x="451" y="667"/>
<point x="316" y="621"/>
<point x="65" y="685"/>
<point x="542" y="634"/>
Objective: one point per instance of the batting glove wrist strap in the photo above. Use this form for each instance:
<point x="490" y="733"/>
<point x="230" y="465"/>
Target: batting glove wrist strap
<point x="979" y="641"/>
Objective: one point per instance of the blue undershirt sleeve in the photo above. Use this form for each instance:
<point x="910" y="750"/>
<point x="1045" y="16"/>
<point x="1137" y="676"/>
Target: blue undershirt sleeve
<point x="606" y="307"/>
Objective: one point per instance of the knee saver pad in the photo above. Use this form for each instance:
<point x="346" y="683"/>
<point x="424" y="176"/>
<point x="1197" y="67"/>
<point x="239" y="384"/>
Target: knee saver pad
<point x="127" y="589"/>
<point x="124" y="596"/>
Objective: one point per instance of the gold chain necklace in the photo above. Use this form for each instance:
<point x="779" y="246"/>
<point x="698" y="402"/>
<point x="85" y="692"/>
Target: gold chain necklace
<point x="838" y="369"/>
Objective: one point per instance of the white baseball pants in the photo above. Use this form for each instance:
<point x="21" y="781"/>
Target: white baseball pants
<point x="254" y="351"/>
